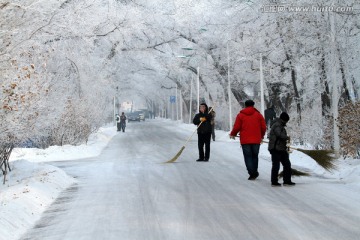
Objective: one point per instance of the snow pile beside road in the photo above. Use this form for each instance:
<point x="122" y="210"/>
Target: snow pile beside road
<point x="32" y="186"/>
<point x="30" y="189"/>
<point x="97" y="142"/>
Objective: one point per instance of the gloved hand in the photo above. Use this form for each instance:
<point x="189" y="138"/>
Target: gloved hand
<point x="202" y="119"/>
<point x="232" y="137"/>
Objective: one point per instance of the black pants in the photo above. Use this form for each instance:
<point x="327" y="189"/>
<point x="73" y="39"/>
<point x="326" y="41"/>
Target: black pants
<point x="282" y="157"/>
<point x="122" y="126"/>
<point x="213" y="132"/>
<point x="118" y="126"/>
<point x="204" y="139"/>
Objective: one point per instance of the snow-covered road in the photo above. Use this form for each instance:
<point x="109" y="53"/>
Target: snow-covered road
<point x="128" y="193"/>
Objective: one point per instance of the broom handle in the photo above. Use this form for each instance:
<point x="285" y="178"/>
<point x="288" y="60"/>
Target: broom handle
<point x="268" y="142"/>
<point x="196" y="129"/>
<point x="289" y="146"/>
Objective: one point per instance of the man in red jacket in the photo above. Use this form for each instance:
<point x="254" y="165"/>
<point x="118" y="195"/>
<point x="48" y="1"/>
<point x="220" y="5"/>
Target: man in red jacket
<point x="252" y="127"/>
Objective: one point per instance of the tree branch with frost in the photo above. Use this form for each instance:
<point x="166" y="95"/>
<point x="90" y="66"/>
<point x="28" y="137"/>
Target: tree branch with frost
<point x="109" y="32"/>
<point x="30" y="37"/>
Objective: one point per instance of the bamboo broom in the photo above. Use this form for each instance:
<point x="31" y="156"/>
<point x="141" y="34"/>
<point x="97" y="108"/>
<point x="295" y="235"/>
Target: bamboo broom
<point x="183" y="147"/>
<point x="322" y="157"/>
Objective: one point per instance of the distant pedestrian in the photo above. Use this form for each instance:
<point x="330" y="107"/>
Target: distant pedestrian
<point x="213" y="115"/>
<point x="123" y="121"/>
<point x="277" y="146"/>
<point x="251" y="125"/>
<point x="270" y="115"/>
<point x="204" y="132"/>
<point x="117" y="119"/>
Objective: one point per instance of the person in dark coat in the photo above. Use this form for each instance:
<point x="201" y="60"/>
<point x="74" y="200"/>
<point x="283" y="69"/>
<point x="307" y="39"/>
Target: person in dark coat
<point x="213" y="115"/>
<point x="277" y="147"/>
<point x="270" y="115"/>
<point x="117" y="122"/>
<point x="204" y="132"/>
<point x="251" y="125"/>
<point x="123" y="121"/>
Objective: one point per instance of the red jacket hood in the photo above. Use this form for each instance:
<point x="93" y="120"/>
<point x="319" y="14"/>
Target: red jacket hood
<point x="251" y="125"/>
<point x="249" y="111"/>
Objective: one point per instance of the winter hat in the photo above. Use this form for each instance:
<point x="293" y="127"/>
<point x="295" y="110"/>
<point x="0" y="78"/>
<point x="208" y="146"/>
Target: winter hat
<point x="284" y="116"/>
<point x="206" y="107"/>
<point x="249" y="103"/>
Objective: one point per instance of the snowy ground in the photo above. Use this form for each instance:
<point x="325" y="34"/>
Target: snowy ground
<point x="126" y="192"/>
<point x="33" y="185"/>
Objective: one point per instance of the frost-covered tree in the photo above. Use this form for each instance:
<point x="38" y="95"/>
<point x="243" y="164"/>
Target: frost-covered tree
<point x="86" y="54"/>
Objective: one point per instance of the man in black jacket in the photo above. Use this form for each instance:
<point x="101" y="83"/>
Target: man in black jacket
<point x="270" y="115"/>
<point x="278" y="150"/>
<point x="204" y="132"/>
<point x="123" y="121"/>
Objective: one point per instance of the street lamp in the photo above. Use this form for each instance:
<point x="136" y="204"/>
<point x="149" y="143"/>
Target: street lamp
<point x="198" y="89"/>
<point x="176" y="100"/>
<point x="114" y="109"/>
<point x="190" y="104"/>
<point x="198" y="79"/>
<point x="262" y="102"/>
<point x="335" y="93"/>
<point x="229" y="87"/>
<point x="181" y="106"/>
<point x="114" y="103"/>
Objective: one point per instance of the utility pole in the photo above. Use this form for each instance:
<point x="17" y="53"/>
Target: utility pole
<point x="190" y="104"/>
<point x="229" y="88"/>
<point x="176" y="102"/>
<point x="262" y="102"/>
<point x="114" y="111"/>
<point x="335" y="93"/>
<point x="198" y="89"/>
<point x="181" y="106"/>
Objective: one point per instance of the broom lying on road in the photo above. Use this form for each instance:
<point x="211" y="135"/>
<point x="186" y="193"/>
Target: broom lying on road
<point x="183" y="147"/>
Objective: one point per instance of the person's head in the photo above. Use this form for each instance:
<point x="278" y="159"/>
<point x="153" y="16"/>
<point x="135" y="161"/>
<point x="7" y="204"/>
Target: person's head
<point x="122" y="113"/>
<point x="249" y="103"/>
<point x="203" y="108"/>
<point x="284" y="117"/>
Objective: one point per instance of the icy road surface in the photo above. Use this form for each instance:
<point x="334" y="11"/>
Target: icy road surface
<point x="128" y="193"/>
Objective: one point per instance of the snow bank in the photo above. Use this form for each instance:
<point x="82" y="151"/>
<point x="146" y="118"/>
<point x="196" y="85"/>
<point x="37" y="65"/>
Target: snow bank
<point x="30" y="189"/>
<point x="97" y="142"/>
<point x="32" y="185"/>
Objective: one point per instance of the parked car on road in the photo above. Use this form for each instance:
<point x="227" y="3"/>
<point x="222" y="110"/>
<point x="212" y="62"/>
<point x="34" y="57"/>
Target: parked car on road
<point x="132" y="117"/>
<point x="146" y="113"/>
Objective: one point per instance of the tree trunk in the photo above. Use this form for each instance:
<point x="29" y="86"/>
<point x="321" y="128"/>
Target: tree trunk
<point x="325" y="95"/>
<point x="345" y="95"/>
<point x="289" y="58"/>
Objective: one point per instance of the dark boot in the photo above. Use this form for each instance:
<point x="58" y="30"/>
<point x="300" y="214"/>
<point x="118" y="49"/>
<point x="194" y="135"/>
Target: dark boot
<point x="289" y="184"/>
